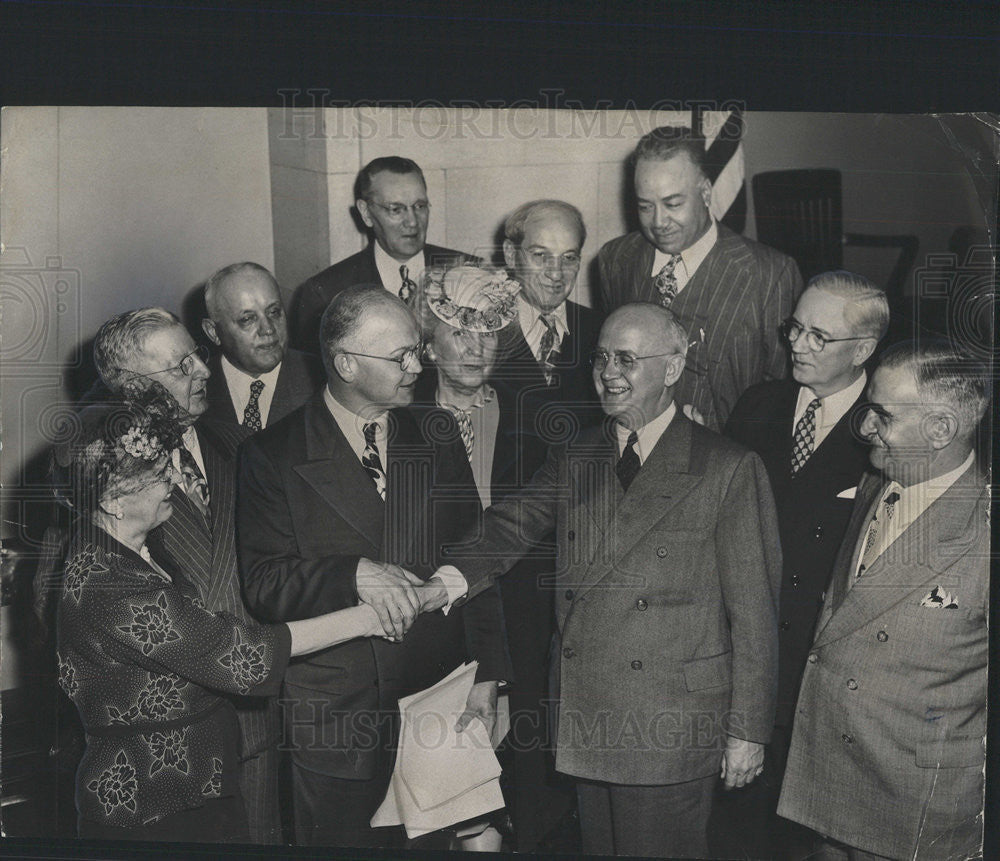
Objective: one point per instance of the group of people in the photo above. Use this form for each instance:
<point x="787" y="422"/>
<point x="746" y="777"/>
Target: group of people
<point x="744" y="611"/>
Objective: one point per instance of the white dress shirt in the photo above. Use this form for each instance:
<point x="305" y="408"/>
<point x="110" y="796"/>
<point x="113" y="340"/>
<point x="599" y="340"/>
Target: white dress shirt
<point x="691" y="258"/>
<point x="353" y="426"/>
<point x="388" y="268"/>
<point x="534" y="329"/>
<point x="238" y="382"/>
<point x="649" y="434"/>
<point x="831" y="409"/>
<point x="190" y="439"/>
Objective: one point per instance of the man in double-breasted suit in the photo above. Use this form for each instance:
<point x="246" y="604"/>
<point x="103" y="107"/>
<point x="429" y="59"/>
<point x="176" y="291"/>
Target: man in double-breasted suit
<point x="340" y="483"/>
<point x="729" y="293"/>
<point x="888" y="748"/>
<point x="667" y="579"/>
<point x="391" y="199"/>
<point x="198" y="542"/>
<point x="805" y="431"/>
<point x="255" y="379"/>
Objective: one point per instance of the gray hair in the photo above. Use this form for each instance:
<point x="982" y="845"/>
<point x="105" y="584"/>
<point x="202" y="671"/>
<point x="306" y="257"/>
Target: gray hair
<point x="867" y="308"/>
<point x="214" y="283"/>
<point x="122" y="337"/>
<point x="513" y="228"/>
<point x="342" y="317"/>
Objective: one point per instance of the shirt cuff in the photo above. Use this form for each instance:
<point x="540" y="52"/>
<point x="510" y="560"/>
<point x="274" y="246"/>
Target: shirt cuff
<point x="454" y="584"/>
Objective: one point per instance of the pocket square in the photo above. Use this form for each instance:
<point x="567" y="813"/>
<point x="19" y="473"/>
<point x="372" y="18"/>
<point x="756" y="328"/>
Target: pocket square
<point x="937" y="599"/>
<point x="848" y="494"/>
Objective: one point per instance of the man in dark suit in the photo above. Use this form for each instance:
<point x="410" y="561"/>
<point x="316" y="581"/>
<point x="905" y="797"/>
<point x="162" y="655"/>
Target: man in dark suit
<point x="391" y="199"/>
<point x="547" y="352"/>
<point x="805" y="430"/>
<point x="730" y="293"/>
<point x="667" y="588"/>
<point x="197" y="542"/>
<point x="888" y="753"/>
<point x="255" y="379"/>
<point x="341" y="482"/>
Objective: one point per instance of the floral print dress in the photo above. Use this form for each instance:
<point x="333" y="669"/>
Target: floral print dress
<point x="148" y="668"/>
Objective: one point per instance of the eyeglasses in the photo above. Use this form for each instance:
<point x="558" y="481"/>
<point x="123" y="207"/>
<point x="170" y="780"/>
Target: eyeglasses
<point x="543" y="259"/>
<point x="625" y="361"/>
<point x="407" y="360"/>
<point x="791" y="329"/>
<point x="397" y="211"/>
<point x="184" y="368"/>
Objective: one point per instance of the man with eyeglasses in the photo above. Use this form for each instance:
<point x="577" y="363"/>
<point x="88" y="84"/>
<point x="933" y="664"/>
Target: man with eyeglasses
<point x="806" y="432"/>
<point x="666" y="598"/>
<point x="353" y="477"/>
<point x="148" y="346"/>
<point x="729" y="292"/>
<point x="391" y="200"/>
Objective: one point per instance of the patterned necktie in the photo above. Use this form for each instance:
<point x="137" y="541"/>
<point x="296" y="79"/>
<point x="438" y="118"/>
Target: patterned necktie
<point x="371" y="460"/>
<point x="464" y="418"/>
<point x="408" y="285"/>
<point x="194" y="482"/>
<point x="548" y="348"/>
<point x="804" y="436"/>
<point x="883" y="514"/>
<point x="665" y="281"/>
<point x="251" y="415"/>
<point x="628" y="464"/>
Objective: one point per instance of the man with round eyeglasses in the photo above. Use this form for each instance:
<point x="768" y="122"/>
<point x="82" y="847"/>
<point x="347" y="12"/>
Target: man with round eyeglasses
<point x="806" y="431"/>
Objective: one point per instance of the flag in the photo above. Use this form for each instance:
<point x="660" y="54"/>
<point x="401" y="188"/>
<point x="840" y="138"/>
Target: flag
<point x="724" y="164"/>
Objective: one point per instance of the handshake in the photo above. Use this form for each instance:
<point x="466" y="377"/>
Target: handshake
<point x="396" y="595"/>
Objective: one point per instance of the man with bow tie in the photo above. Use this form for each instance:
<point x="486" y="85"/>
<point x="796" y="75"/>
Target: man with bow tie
<point x="728" y="292"/>
<point x="391" y="200"/>
<point x="888" y="747"/>
<point x="666" y="598"/>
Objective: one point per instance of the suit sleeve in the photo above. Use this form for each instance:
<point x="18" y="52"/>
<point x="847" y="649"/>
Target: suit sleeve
<point x="279" y="584"/>
<point x="309" y="306"/>
<point x="748" y="551"/>
<point x="604" y="286"/>
<point x="485" y="637"/>
<point x="779" y="302"/>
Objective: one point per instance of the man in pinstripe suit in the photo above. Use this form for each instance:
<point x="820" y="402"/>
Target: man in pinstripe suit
<point x="198" y="541"/>
<point x="730" y="293"/>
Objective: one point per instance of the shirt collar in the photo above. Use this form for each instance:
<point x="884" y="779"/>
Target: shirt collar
<point x="649" y="434"/>
<point x="388" y="267"/>
<point x="832" y="407"/>
<point x="692" y="256"/>
<point x="351" y="424"/>
<point x="238" y="377"/>
<point x="529" y="314"/>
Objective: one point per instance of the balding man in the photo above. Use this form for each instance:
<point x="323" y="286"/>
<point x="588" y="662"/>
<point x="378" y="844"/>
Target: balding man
<point x="255" y="378"/>
<point x="888" y="751"/>
<point x="666" y="598"/>
<point x="730" y="293"/>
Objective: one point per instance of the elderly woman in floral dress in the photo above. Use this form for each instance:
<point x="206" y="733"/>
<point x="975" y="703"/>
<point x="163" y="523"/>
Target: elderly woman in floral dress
<point x="145" y="664"/>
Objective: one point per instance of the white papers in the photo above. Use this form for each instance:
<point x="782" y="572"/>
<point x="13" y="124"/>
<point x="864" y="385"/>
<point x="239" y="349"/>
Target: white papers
<point x="441" y="776"/>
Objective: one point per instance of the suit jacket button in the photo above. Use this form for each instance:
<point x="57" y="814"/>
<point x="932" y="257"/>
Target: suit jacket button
<point x="881" y="636"/>
<point x="661" y="551"/>
<point x="795" y="579"/>
<point x="818" y="532"/>
<point x="813" y="657"/>
<point x="852" y="685"/>
<point x="568" y="652"/>
<point x="571" y="535"/>
<point x="847" y="738"/>
<point x="641" y="604"/>
<point x="636" y="665"/>
<point x="569" y="594"/>
<point x="785" y="625"/>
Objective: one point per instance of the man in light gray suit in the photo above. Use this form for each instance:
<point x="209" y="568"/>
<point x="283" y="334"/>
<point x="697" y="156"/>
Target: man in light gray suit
<point x="666" y="598"/>
<point x="888" y="750"/>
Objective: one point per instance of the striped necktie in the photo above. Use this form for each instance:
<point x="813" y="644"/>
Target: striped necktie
<point x="548" y="349"/>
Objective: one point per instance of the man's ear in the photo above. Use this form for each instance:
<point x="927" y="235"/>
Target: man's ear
<point x="675" y="367"/>
<point x="364" y="211"/>
<point x="940" y="428"/>
<point x="344" y="365"/>
<point x="706" y="192"/>
<point x="863" y="351"/>
<point x="208" y="327"/>
<point x="510" y="254"/>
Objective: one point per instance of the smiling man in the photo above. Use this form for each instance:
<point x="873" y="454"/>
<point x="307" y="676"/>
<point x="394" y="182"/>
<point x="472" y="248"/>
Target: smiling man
<point x="666" y="598"/>
<point x="256" y="380"/>
<point x="728" y="292"/>
<point x="391" y="200"/>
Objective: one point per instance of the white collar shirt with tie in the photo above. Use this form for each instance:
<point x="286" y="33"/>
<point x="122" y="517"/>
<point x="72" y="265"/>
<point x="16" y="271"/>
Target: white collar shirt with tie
<point x="238" y="383"/>
<point x="388" y="268"/>
<point x="691" y="258"/>
<point x="190" y="439"/>
<point x="831" y="410"/>
<point x="649" y="434"/>
<point x="534" y="329"/>
<point x="353" y="426"/>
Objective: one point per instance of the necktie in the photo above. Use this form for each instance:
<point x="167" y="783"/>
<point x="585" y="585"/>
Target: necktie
<point x="665" y="281"/>
<point x="371" y="460"/>
<point x="464" y="418"/>
<point x="194" y="482"/>
<point x="805" y="434"/>
<point x="883" y="514"/>
<point x="251" y="415"/>
<point x="548" y="348"/>
<point x="407" y="284"/>
<point x="628" y="464"/>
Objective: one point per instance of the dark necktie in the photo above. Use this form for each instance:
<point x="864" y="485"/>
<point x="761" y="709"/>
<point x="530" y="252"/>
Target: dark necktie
<point x="883" y="514"/>
<point x="665" y="281"/>
<point x="407" y="284"/>
<point x="805" y="434"/>
<point x="194" y="482"/>
<point x="548" y="348"/>
<point x="628" y="464"/>
<point x="371" y="460"/>
<point x="251" y="415"/>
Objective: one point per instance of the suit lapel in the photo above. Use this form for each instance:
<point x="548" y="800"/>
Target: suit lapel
<point x="219" y="399"/>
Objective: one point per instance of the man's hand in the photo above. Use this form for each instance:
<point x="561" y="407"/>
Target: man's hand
<point x="742" y="762"/>
<point x="389" y="591"/>
<point x="433" y="595"/>
<point x="482" y="704"/>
